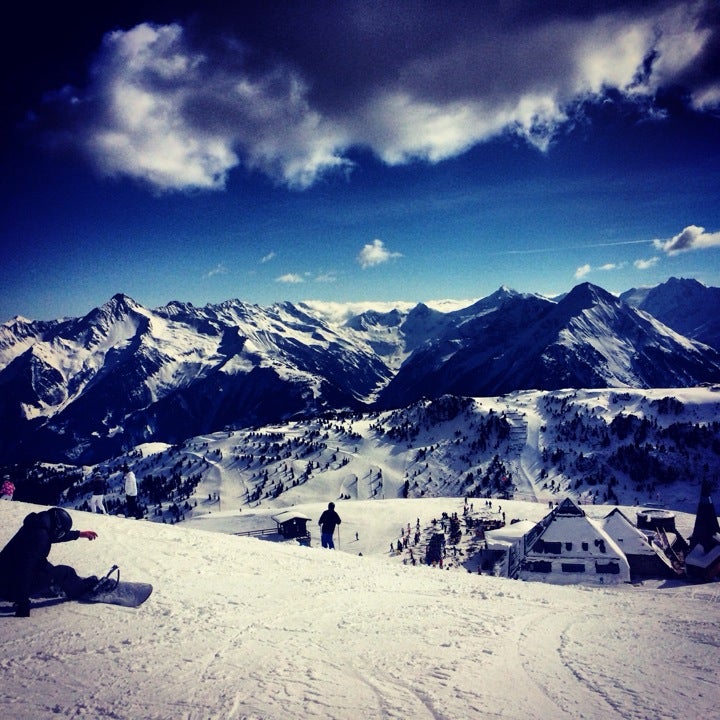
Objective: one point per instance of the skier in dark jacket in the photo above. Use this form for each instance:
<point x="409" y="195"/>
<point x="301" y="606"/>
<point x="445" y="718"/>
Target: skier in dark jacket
<point x="24" y="567"/>
<point x="328" y="520"/>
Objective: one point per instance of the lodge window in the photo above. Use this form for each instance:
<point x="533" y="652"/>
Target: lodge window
<point x="550" y="548"/>
<point x="573" y="567"/>
<point x="543" y="566"/>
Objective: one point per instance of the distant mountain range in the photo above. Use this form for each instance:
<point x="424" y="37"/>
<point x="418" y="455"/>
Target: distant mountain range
<point x="84" y="389"/>
<point x="589" y="339"/>
<point x="687" y="306"/>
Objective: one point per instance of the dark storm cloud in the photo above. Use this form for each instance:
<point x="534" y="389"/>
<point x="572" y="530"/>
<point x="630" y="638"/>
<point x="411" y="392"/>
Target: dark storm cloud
<point x="288" y="88"/>
<point x="701" y="77"/>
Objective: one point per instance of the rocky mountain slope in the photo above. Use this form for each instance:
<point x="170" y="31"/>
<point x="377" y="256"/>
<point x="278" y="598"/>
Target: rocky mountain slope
<point x="87" y="388"/>
<point x="84" y="389"/>
<point x="685" y="305"/>
<point x="589" y="339"/>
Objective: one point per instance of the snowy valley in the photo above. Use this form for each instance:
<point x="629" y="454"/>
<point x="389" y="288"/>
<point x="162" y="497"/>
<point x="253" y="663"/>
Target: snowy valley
<point x="597" y="446"/>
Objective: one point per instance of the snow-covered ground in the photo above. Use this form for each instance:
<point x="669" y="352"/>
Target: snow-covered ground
<point x="244" y="628"/>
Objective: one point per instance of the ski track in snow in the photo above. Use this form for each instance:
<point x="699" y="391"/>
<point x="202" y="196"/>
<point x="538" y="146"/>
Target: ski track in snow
<point x="245" y="629"/>
<point x="525" y="435"/>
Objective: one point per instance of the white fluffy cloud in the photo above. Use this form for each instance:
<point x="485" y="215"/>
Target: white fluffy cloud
<point x="142" y="80"/>
<point x="582" y="271"/>
<point x="178" y="111"/>
<point x="219" y="269"/>
<point x="691" y="238"/>
<point x="586" y="269"/>
<point x="290" y="278"/>
<point x="375" y="253"/>
<point x="166" y="114"/>
<point x="646" y="264"/>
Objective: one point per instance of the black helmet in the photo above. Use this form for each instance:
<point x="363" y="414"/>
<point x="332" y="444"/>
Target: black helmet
<point x="60" y="522"/>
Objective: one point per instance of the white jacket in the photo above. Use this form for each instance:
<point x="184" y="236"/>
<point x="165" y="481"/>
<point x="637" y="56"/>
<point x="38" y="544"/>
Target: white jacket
<point x="130" y="483"/>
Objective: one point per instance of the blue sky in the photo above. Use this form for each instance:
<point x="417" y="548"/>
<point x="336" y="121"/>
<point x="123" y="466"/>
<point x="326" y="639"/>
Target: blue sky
<point x="356" y="151"/>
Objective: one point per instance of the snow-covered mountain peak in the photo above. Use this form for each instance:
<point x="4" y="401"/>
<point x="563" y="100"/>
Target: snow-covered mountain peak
<point x="175" y="307"/>
<point x="684" y="304"/>
<point x="123" y="374"/>
<point x="587" y="295"/>
<point x="503" y="293"/>
<point x="120" y="305"/>
<point x="371" y="319"/>
<point x="16" y="322"/>
<point x="501" y="298"/>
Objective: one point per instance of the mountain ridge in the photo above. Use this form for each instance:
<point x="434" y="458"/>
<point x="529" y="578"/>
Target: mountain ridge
<point x="82" y="389"/>
<point x="684" y="304"/>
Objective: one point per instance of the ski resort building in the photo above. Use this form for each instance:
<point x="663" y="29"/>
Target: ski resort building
<point x="643" y="559"/>
<point x="567" y="547"/>
<point x="505" y="548"/>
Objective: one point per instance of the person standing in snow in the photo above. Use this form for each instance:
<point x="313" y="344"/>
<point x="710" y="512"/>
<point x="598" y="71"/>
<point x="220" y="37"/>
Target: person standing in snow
<point x="24" y="567"/>
<point x="131" y="492"/>
<point x="328" y="521"/>
<point x="98" y="493"/>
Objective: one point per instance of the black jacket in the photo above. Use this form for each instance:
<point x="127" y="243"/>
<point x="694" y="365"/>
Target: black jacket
<point x="328" y="520"/>
<point x="26" y="554"/>
<point x="98" y="486"/>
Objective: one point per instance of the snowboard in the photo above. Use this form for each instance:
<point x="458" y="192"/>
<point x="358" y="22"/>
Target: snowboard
<point x="127" y="594"/>
<point x="111" y="590"/>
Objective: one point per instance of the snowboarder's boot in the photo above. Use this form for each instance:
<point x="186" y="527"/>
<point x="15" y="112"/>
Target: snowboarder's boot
<point x="87" y="586"/>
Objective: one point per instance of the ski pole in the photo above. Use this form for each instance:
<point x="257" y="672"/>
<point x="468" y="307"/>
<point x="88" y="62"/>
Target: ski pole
<point x="338" y="532"/>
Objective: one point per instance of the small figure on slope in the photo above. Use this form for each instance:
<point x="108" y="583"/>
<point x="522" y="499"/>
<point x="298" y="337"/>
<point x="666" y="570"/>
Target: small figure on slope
<point x="131" y="492"/>
<point x="7" y="489"/>
<point x="98" y="494"/>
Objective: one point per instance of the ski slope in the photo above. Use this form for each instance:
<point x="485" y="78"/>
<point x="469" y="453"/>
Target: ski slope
<point x="242" y="628"/>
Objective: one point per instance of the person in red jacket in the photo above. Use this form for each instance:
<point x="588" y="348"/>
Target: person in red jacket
<point x="7" y="489"/>
<point x="24" y="567"/>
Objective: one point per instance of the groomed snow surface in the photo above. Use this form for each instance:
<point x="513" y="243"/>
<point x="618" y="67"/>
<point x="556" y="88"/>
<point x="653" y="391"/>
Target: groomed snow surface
<point x="245" y="628"/>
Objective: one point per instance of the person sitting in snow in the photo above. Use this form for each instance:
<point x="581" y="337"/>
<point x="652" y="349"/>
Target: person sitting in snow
<point x="328" y="520"/>
<point x="24" y="567"/>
